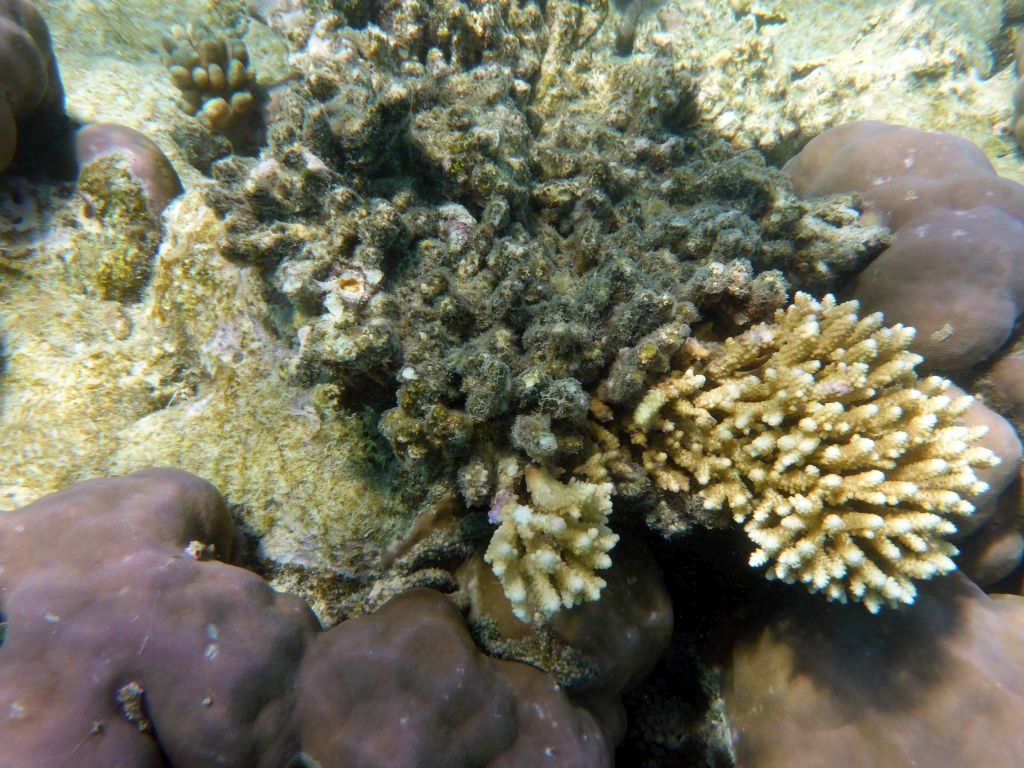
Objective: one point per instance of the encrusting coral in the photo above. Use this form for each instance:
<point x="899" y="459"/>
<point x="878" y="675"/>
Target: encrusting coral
<point x="815" y="433"/>
<point x="546" y="555"/>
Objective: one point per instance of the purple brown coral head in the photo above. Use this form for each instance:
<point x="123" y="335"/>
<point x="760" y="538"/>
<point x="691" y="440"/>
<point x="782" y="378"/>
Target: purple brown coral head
<point x="29" y="80"/>
<point x="145" y="160"/>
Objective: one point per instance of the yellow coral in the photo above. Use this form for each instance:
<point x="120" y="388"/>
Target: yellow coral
<point x="546" y="554"/>
<point x="815" y="433"/>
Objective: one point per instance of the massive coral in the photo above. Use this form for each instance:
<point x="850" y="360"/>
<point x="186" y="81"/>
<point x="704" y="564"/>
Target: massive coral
<point x="130" y="640"/>
<point x="952" y="271"/>
<point x="937" y="685"/>
<point x="814" y="432"/>
<point x="31" y="92"/>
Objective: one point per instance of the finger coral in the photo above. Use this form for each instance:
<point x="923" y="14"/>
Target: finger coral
<point x="815" y="433"/>
<point x="545" y="553"/>
<point x="214" y="77"/>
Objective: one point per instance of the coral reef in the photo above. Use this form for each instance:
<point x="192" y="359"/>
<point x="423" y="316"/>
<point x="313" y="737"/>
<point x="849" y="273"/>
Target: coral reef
<point x="143" y="157"/>
<point x="107" y="589"/>
<point x="814" y="431"/>
<point x="597" y="651"/>
<point x="116" y="235"/>
<point x="1006" y="385"/>
<point x="491" y="257"/>
<point x="124" y="182"/>
<point x="772" y="74"/>
<point x="474" y="218"/>
<point x="217" y="84"/>
<point x="1017" y="121"/>
<point x="938" y="685"/>
<point x="131" y="640"/>
<point x="406" y="686"/>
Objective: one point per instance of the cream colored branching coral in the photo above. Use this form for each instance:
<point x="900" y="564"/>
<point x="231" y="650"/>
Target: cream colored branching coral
<point x="814" y="431"/>
<point x="546" y="553"/>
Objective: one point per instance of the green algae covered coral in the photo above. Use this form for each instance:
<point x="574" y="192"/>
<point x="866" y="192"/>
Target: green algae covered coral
<point x="815" y="433"/>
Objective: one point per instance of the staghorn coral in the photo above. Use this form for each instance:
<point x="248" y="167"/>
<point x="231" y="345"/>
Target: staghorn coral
<point x="815" y="432"/>
<point x="546" y="555"/>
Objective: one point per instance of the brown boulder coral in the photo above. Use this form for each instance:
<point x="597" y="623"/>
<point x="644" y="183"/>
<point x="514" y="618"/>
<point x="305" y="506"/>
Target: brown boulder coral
<point x="941" y="684"/>
<point x="953" y="271"/>
<point x="128" y="642"/>
<point x="126" y="647"/>
<point x="29" y="80"/>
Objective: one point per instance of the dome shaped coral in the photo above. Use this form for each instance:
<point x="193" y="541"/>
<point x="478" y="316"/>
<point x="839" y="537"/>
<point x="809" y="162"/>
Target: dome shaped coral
<point x="29" y="80"/>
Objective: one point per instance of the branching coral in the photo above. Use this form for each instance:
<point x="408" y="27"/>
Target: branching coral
<point x="815" y="432"/>
<point x="213" y="75"/>
<point x="546" y="554"/>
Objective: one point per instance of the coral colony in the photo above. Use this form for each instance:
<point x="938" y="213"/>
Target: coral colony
<point x="509" y="383"/>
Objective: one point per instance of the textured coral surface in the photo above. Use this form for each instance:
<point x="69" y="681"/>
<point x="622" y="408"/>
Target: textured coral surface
<point x="847" y="471"/>
<point x="940" y="685"/>
<point x="129" y="641"/>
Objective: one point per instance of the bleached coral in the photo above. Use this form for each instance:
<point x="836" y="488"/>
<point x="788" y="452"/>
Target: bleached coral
<point x="546" y="553"/>
<point x="814" y="431"/>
